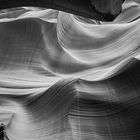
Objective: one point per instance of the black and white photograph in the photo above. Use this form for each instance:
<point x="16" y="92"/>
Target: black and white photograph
<point x="69" y="69"/>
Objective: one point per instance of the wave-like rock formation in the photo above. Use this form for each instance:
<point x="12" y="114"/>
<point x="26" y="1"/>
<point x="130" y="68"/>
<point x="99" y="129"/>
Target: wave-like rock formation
<point x="65" y="77"/>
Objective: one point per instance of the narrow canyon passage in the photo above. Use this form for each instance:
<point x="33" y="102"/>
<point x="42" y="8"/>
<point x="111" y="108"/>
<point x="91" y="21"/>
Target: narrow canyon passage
<point x="65" y="77"/>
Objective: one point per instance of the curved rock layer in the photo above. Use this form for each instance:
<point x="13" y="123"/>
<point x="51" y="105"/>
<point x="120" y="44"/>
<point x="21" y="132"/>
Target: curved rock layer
<point x="64" y="77"/>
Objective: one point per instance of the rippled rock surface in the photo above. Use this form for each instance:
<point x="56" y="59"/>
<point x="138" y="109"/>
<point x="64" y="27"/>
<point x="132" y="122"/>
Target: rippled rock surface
<point x="64" y="77"/>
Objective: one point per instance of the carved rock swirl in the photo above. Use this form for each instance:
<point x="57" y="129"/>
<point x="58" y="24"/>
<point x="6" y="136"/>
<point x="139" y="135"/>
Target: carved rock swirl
<point x="64" y="77"/>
